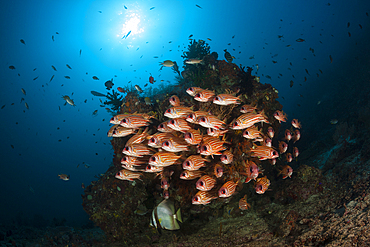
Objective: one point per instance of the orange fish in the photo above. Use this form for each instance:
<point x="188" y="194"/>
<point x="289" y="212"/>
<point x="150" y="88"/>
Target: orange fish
<point x="227" y="157"/>
<point x="193" y="137"/>
<point x="194" y="162"/>
<point x="218" y="170"/>
<point x="212" y="146"/>
<point x="192" y="91"/>
<point x="280" y="116"/>
<point x="120" y="131"/>
<point x="270" y="132"/>
<point x="288" y="135"/>
<point x="152" y="169"/>
<point x="264" y="153"/>
<point x="286" y="171"/>
<point x="118" y="118"/>
<point x="134" y="122"/>
<point x="202" y="197"/>
<point x="247" y="120"/>
<point x="138" y="138"/>
<point x="204" y="96"/>
<point x="133" y="161"/>
<point x="211" y="121"/>
<point x="226" y="99"/>
<point x="253" y="133"/>
<point x="267" y="142"/>
<point x="137" y="150"/>
<point x="227" y="189"/>
<point x="251" y="171"/>
<point x="177" y="112"/>
<point x="189" y="175"/>
<point x="262" y="185"/>
<point x="205" y="183"/>
<point x="131" y="167"/>
<point x="243" y="204"/>
<point x="193" y="117"/>
<point x="296" y="124"/>
<point x="247" y="109"/>
<point x="165" y="183"/>
<point x="125" y="174"/>
<point x="121" y="90"/>
<point x="163" y="127"/>
<point x="283" y="147"/>
<point x="157" y="139"/>
<point x="297" y="135"/>
<point x="175" y="145"/>
<point x="179" y="124"/>
<point x="174" y="100"/>
<point x="289" y="157"/>
<point x="163" y="159"/>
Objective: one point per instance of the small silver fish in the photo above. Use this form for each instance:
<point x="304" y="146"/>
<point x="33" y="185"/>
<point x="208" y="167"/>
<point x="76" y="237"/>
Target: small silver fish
<point x="138" y="89"/>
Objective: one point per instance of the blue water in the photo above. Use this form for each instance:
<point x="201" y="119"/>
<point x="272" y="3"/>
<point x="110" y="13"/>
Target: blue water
<point x="48" y="141"/>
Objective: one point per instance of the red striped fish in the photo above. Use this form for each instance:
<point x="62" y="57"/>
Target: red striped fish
<point x="110" y="131"/>
<point x="243" y="204"/>
<point x="204" y="96"/>
<point x="193" y="137"/>
<point x="193" y="117"/>
<point x="205" y="183"/>
<point x="192" y="91"/>
<point x="138" y="138"/>
<point x="175" y="145"/>
<point x="216" y="132"/>
<point x="157" y="139"/>
<point x="189" y="175"/>
<point x="251" y="170"/>
<point x="247" y="109"/>
<point x="218" y="170"/>
<point x="226" y="99"/>
<point x="134" y="122"/>
<point x="118" y="118"/>
<point x="264" y="153"/>
<point x="163" y="127"/>
<point x="137" y="150"/>
<point x="253" y="133"/>
<point x="163" y="159"/>
<point x="211" y="122"/>
<point x="179" y="124"/>
<point x="283" y="147"/>
<point x="227" y="157"/>
<point x="150" y="168"/>
<point x="177" y="112"/>
<point x="194" y="162"/>
<point x="131" y="167"/>
<point x="212" y="146"/>
<point x="120" y="131"/>
<point x="280" y="116"/>
<point x="262" y="185"/>
<point x="125" y="174"/>
<point x="133" y="161"/>
<point x="227" y="189"/>
<point x="202" y="197"/>
<point x="174" y="100"/>
<point x="247" y="120"/>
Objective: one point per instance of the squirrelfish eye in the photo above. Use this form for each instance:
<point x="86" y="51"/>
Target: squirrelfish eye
<point x="196" y="198"/>
<point x="167" y="143"/>
<point x="152" y="158"/>
<point x="183" y="174"/>
<point x="223" y="191"/>
<point x="235" y="124"/>
<point x="161" y="126"/>
<point x="274" y="153"/>
<point x="127" y="149"/>
<point x="151" y="140"/>
<point x="201" y="183"/>
<point x="187" y="135"/>
<point x="204" y="148"/>
<point x="172" y="121"/>
<point x="197" y="95"/>
<point x="218" y="98"/>
<point x="124" y="120"/>
<point x="202" y="119"/>
<point x="168" y="111"/>
<point x="187" y="163"/>
<point x="124" y="158"/>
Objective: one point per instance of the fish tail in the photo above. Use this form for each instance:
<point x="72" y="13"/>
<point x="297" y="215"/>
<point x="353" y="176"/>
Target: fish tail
<point x="178" y="215"/>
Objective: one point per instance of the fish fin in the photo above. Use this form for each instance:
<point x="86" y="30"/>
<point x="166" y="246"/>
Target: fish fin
<point x="247" y="180"/>
<point x="178" y="215"/>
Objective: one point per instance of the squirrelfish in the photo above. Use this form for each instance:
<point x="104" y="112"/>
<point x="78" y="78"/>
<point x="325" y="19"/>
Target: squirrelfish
<point x="270" y="132"/>
<point x="193" y="137"/>
<point x="267" y="142"/>
<point x="253" y="133"/>
<point x="118" y="118"/>
<point x="296" y="124"/>
<point x="193" y="117"/>
<point x="204" y="96"/>
<point x="138" y="138"/>
<point x="177" y="112"/>
<point x="227" y="189"/>
<point x="243" y="204"/>
<point x="192" y="91"/>
<point x="194" y="162"/>
<point x="289" y="157"/>
<point x="216" y="132"/>
<point x="120" y="131"/>
<point x="288" y="135"/>
<point x="137" y="150"/>
<point x="175" y="145"/>
<point x="264" y="153"/>
<point x="297" y="135"/>
<point x="125" y="174"/>
<point x="179" y="124"/>
<point x="174" y="100"/>
<point x="211" y="121"/>
<point x="247" y="120"/>
<point x="157" y="139"/>
<point x="251" y="170"/>
<point x="189" y="175"/>
<point x="295" y="152"/>
<point x="163" y="127"/>
<point x="283" y="147"/>
<point x="163" y="159"/>
<point x="262" y="185"/>
<point x="286" y="171"/>
<point x="212" y="146"/>
<point x="150" y="168"/>
<point x="218" y="170"/>
<point x="227" y="157"/>
<point x="165" y="183"/>
<point x="131" y="167"/>
<point x="131" y="160"/>
<point x="110" y="131"/>
<point x="247" y="109"/>
<point x="203" y="198"/>
<point x="134" y="122"/>
<point x="205" y="183"/>
<point x="280" y="116"/>
<point x="226" y="99"/>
